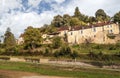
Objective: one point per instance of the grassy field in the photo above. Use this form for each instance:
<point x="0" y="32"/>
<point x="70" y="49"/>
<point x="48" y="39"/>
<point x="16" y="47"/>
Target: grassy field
<point x="106" y="49"/>
<point x="65" y="71"/>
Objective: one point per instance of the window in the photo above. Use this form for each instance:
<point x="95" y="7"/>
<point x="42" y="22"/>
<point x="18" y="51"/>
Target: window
<point x="103" y="28"/>
<point x="109" y="26"/>
<point x="94" y="35"/>
<point x="111" y="31"/>
<point x="94" y="29"/>
<point x="71" y="33"/>
<point x="81" y="31"/>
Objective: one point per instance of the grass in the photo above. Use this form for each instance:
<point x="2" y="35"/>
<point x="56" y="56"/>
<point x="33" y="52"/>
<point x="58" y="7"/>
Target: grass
<point x="106" y="49"/>
<point x="65" y="71"/>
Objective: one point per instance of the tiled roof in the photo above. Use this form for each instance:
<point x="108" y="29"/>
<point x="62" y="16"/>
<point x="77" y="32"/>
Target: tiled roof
<point x="63" y="28"/>
<point x="84" y="27"/>
<point x="55" y="33"/>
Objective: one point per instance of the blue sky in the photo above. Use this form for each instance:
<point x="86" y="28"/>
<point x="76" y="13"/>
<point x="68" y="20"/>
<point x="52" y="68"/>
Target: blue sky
<point x="18" y="14"/>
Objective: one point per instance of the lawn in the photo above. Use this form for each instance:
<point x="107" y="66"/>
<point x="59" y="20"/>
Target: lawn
<point x="65" y="71"/>
<point x="106" y="49"/>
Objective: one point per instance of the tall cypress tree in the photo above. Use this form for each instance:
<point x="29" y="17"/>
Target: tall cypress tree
<point x="77" y="13"/>
<point x="9" y="39"/>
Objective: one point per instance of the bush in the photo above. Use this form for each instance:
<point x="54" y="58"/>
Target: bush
<point x="111" y="36"/>
<point x="47" y="52"/>
<point x="56" y="54"/>
<point x="65" y="51"/>
<point x="97" y="47"/>
<point x="74" y="54"/>
<point x="56" y="43"/>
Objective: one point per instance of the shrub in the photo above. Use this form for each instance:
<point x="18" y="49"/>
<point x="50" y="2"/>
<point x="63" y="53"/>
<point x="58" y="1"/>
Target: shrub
<point x="111" y="36"/>
<point x="56" y="54"/>
<point x="74" y="54"/>
<point x="46" y="53"/>
<point x="56" y="43"/>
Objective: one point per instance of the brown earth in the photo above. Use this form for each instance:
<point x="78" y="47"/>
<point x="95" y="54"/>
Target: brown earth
<point x="19" y="74"/>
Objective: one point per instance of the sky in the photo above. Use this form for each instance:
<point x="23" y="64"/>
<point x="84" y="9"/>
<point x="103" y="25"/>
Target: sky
<point x="19" y="14"/>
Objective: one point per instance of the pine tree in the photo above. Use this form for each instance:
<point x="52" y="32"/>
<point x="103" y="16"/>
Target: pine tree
<point x="9" y="39"/>
<point x="77" y="12"/>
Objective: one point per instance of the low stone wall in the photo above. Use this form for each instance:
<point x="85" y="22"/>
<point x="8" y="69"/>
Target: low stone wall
<point x="44" y="60"/>
<point x="17" y="59"/>
<point x="31" y="60"/>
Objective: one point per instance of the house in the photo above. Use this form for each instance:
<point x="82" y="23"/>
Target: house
<point x="99" y="33"/>
<point x="20" y="40"/>
<point x="47" y="37"/>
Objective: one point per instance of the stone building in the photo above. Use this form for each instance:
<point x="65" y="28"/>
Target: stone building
<point x="20" y="40"/>
<point x="100" y="33"/>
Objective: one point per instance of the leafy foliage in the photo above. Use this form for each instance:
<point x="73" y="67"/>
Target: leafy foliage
<point x="58" y="21"/>
<point x="77" y="13"/>
<point x="32" y="37"/>
<point x="9" y="40"/>
<point x="56" y="43"/>
<point x="101" y="15"/>
<point x="76" y="22"/>
<point x="116" y="17"/>
<point x="111" y="36"/>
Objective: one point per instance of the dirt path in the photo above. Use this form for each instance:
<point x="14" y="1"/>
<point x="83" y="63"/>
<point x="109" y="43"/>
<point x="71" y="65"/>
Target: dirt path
<point x="19" y="74"/>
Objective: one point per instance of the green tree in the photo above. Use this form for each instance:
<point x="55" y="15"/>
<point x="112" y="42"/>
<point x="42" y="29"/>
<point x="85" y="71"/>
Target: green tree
<point x="56" y="43"/>
<point x="74" y="55"/>
<point x="9" y="39"/>
<point x="57" y="21"/>
<point x="46" y="29"/>
<point x="76" y="22"/>
<point x="65" y="51"/>
<point x="66" y="19"/>
<point x="47" y="52"/>
<point x="80" y="16"/>
<point x="101" y="15"/>
<point x="92" y="20"/>
<point x="32" y="37"/>
<point x="116" y="17"/>
<point x="77" y="13"/>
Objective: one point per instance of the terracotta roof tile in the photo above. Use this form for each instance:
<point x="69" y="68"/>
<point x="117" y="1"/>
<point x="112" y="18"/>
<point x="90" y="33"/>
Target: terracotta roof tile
<point x="63" y="28"/>
<point x="84" y="27"/>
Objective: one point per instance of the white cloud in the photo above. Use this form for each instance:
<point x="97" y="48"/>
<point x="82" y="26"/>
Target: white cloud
<point x="89" y="7"/>
<point x="34" y="3"/>
<point x="18" y="21"/>
<point x="6" y="5"/>
<point x="57" y="1"/>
